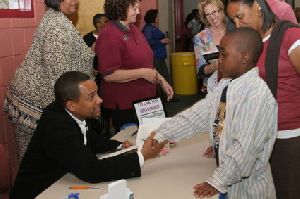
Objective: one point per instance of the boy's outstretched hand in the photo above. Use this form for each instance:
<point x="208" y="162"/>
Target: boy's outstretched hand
<point x="204" y="190"/>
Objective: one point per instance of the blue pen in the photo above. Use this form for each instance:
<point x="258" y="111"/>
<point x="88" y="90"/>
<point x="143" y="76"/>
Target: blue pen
<point x="73" y="196"/>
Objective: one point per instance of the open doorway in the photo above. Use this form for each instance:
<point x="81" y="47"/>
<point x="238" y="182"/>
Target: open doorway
<point x="182" y="8"/>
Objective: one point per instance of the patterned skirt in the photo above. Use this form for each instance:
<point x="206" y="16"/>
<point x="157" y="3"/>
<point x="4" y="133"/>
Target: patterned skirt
<point x="24" y="117"/>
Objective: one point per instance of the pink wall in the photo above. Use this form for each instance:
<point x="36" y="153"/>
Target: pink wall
<point x="146" y="5"/>
<point x="15" y="40"/>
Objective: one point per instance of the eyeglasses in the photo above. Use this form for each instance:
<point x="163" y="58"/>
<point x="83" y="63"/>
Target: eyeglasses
<point x="212" y="14"/>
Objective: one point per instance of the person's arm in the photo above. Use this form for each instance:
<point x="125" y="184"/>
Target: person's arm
<point x="256" y="122"/>
<point x="121" y="75"/>
<point x="208" y="69"/>
<point x="292" y="40"/>
<point x="295" y="57"/>
<point x="99" y="143"/>
<point x="187" y="123"/>
<point x="151" y="150"/>
<point x="167" y="88"/>
<point x="149" y="35"/>
<point x="63" y="144"/>
<point x="288" y="13"/>
<point x="110" y="63"/>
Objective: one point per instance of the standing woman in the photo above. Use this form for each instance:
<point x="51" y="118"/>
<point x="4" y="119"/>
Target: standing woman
<point x="126" y="63"/>
<point x="206" y="41"/>
<point x="56" y="48"/>
<point x="157" y="41"/>
<point x="285" y="159"/>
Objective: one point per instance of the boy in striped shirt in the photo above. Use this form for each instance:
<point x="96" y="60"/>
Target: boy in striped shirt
<point x="241" y="118"/>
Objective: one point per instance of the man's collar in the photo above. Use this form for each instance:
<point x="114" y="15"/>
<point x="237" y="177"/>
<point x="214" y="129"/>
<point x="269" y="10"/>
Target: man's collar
<point x="78" y="121"/>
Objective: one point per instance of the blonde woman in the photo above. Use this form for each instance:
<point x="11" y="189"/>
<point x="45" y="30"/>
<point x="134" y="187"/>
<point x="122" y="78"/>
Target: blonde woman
<point x="206" y="41"/>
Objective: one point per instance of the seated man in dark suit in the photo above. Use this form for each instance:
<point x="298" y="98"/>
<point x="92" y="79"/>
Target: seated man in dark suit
<point x="66" y="140"/>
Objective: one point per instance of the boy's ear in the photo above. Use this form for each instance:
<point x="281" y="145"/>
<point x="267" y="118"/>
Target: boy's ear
<point x="244" y="57"/>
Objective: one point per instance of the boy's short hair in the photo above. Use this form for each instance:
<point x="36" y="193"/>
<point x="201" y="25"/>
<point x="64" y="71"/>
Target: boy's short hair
<point x="247" y="39"/>
<point x="97" y="18"/>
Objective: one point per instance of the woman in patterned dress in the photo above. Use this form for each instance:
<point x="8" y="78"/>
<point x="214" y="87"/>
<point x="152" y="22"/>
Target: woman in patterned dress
<point x="57" y="47"/>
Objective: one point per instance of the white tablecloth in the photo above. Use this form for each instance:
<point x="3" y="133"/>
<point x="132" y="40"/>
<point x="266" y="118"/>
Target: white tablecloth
<point x="167" y="177"/>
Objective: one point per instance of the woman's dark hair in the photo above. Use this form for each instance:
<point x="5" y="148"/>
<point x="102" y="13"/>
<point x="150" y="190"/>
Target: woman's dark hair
<point x="67" y="86"/>
<point x="269" y="18"/>
<point x="97" y="18"/>
<point x="117" y="9"/>
<point x="150" y="16"/>
<point x="54" y="4"/>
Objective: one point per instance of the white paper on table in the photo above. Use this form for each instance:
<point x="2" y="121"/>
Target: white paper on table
<point x="148" y="126"/>
<point x="118" y="190"/>
<point x="151" y="108"/>
<point x="109" y="155"/>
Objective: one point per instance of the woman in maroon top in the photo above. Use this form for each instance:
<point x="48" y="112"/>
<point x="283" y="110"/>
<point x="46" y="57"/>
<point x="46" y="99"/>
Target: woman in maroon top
<point x="126" y="63"/>
<point x="285" y="158"/>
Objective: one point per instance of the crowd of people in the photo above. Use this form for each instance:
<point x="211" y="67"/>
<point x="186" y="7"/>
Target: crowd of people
<point x="248" y="49"/>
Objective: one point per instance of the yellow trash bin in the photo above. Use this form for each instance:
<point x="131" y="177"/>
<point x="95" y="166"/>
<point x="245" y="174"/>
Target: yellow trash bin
<point x="184" y="73"/>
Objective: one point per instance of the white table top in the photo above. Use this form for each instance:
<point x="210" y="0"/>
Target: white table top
<point x="170" y="176"/>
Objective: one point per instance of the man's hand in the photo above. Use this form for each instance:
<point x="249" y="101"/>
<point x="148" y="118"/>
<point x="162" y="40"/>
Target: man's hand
<point x="126" y="144"/>
<point x="204" y="190"/>
<point x="151" y="148"/>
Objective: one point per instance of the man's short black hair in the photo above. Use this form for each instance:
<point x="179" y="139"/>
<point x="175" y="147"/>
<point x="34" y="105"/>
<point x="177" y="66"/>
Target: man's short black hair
<point x="67" y="86"/>
<point x="150" y="16"/>
<point x="247" y="39"/>
<point x="97" y="18"/>
<point x="54" y="4"/>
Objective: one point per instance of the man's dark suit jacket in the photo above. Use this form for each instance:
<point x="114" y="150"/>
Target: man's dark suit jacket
<point x="57" y="147"/>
